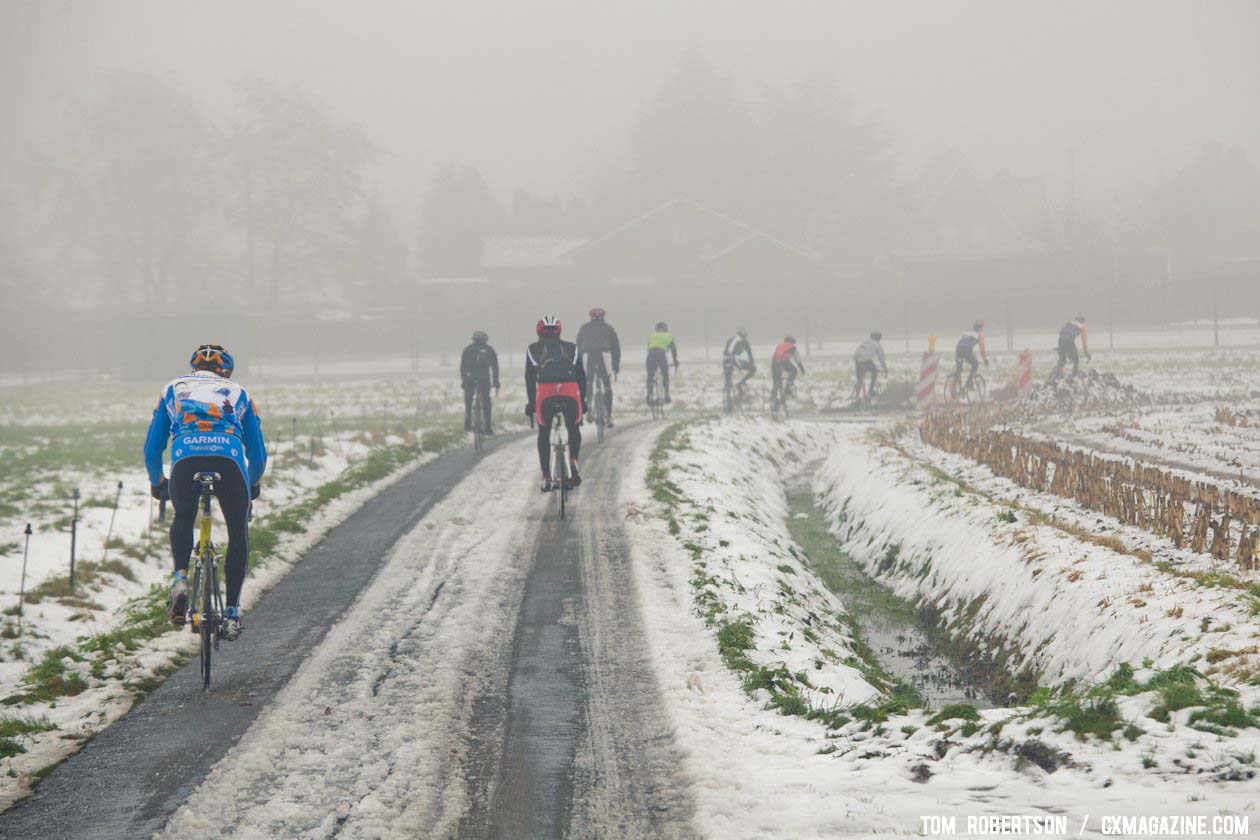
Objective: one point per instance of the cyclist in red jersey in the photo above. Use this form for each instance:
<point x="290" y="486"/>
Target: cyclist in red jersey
<point x="555" y="381"/>
<point x="786" y="361"/>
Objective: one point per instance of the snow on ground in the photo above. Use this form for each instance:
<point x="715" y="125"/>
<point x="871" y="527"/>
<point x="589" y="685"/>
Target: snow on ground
<point x="1191" y="436"/>
<point x="1073" y="609"/>
<point x="108" y="695"/>
<point x="730" y="511"/>
<point x="368" y="738"/>
<point x="83" y="656"/>
<point x="758" y="772"/>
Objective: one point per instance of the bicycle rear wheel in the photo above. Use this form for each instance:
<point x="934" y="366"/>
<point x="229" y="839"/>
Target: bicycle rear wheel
<point x="207" y="620"/>
<point x="601" y="409"/>
<point x="981" y="389"/>
<point x="564" y="482"/>
<point x="477" y="421"/>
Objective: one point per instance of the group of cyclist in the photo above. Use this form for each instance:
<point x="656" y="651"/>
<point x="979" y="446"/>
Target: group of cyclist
<point x="213" y="426"/>
<point x="969" y="351"/>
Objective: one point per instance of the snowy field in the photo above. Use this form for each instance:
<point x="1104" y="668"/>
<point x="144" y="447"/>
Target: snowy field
<point x="84" y="654"/>
<point x="784" y="737"/>
<point x="1128" y="668"/>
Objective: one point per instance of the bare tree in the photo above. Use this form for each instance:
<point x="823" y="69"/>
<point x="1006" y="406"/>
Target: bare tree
<point x="300" y="177"/>
<point x="137" y="195"/>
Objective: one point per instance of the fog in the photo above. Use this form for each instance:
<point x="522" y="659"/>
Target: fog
<point x="380" y="178"/>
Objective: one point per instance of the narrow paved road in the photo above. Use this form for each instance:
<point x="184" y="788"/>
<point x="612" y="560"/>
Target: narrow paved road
<point x="577" y="744"/>
<point x="133" y="775"/>
<point x="485" y="676"/>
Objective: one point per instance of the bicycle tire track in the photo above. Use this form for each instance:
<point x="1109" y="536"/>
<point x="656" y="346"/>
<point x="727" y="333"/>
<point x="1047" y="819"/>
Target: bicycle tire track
<point x="134" y="774"/>
<point x="579" y="744"/>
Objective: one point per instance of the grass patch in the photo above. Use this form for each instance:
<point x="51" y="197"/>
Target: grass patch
<point x="955" y="711"/>
<point x="1094" y="711"/>
<point x="88" y="576"/>
<point x="14" y="729"/>
<point x="145" y="617"/>
<point x="1099" y="716"/>
<point x="49" y="679"/>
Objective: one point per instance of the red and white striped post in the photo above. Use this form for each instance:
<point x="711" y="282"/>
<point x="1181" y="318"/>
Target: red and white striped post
<point x="925" y="394"/>
<point x="1025" y="374"/>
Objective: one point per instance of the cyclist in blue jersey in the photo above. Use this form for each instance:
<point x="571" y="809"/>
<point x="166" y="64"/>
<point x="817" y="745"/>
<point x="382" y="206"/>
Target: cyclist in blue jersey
<point x="213" y="426"/>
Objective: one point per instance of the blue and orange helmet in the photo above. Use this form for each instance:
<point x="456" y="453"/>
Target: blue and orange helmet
<point x="213" y="357"/>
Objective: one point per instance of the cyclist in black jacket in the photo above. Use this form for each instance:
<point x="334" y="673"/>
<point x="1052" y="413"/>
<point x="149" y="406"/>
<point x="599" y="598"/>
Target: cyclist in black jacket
<point x="731" y="361"/>
<point x="555" y="381"/>
<point x="478" y="370"/>
<point x="598" y="343"/>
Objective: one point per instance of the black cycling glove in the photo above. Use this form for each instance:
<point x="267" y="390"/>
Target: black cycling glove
<point x="255" y="491"/>
<point x="162" y="491"/>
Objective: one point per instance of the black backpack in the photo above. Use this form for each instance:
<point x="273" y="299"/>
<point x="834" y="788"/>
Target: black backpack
<point x="555" y="363"/>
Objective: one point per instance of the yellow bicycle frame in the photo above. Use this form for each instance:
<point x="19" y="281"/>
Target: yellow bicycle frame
<point x="203" y="544"/>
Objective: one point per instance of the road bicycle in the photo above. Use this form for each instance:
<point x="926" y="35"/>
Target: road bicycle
<point x="561" y="464"/>
<point x="735" y="396"/>
<point x="655" y="395"/>
<point x="598" y="397"/>
<point x="205" y="601"/>
<point x="779" y="405"/>
<point x="958" y="390"/>
<point x="863" y="396"/>
<point x="478" y="421"/>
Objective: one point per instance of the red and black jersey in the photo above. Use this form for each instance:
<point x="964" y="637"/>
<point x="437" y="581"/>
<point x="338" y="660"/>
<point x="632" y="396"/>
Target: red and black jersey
<point x="552" y="360"/>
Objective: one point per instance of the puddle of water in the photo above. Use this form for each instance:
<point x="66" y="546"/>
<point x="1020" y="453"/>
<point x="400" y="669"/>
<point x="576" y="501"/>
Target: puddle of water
<point x="906" y="644"/>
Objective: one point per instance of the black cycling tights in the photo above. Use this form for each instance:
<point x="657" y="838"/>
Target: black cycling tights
<point x="549" y="408"/>
<point x="233" y="498"/>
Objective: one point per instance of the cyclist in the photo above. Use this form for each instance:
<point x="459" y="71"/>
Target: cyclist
<point x="864" y="360"/>
<point x="660" y="346"/>
<point x="598" y="343"/>
<point x="1067" y="345"/>
<point x="478" y="370"/>
<point x="736" y="347"/>
<point x="786" y="361"/>
<point x="555" y="381"/>
<point x="965" y="353"/>
<point x="215" y="428"/>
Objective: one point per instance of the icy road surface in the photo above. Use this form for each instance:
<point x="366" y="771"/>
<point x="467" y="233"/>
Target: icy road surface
<point x="484" y="675"/>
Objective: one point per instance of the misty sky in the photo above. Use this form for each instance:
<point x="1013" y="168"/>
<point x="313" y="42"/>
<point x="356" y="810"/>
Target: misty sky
<point x="542" y="94"/>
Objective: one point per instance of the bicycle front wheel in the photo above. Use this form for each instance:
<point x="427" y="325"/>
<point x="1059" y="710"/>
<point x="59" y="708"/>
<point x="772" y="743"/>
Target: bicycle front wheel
<point x="565" y="478"/>
<point x="207" y="621"/>
<point x="600" y="407"/>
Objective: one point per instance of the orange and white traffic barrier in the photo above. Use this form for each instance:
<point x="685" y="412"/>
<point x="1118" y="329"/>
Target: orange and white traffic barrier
<point x="925" y="395"/>
<point x="1024" y="382"/>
